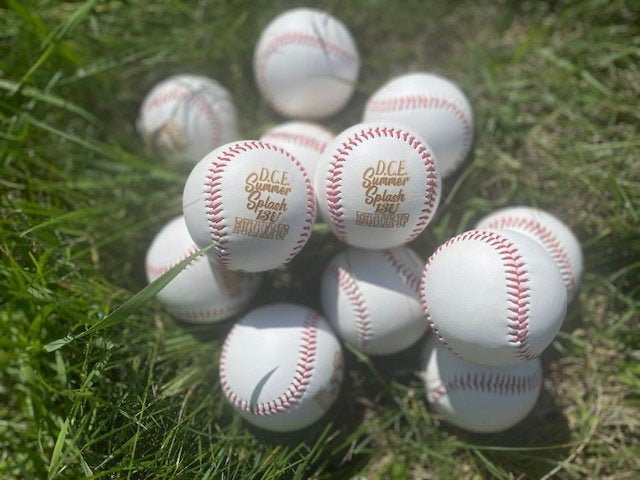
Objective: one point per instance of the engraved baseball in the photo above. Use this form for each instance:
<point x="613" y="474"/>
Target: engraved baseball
<point x="432" y="106"/>
<point x="550" y="232"/>
<point x="479" y="398"/>
<point x="185" y="117"/>
<point x="253" y="201"/>
<point x="306" y="64"/>
<point x="281" y="367"/>
<point x="370" y="297"/>
<point x="494" y="297"/>
<point x="202" y="292"/>
<point x="377" y="185"/>
<point x="304" y="140"/>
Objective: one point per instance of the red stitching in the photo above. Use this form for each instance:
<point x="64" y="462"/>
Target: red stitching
<point x="404" y="271"/>
<point x="159" y="270"/>
<point x="334" y="179"/>
<point x="499" y="383"/>
<point x="414" y="102"/>
<point x="204" y="107"/>
<point x="358" y="304"/>
<point x="301" y="38"/>
<point x="298" y="139"/>
<point x="207" y="314"/>
<point x="299" y="383"/>
<point x="516" y="283"/>
<point x="213" y="199"/>
<point x="548" y="239"/>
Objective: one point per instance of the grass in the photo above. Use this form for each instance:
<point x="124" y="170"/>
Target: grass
<point x="555" y="89"/>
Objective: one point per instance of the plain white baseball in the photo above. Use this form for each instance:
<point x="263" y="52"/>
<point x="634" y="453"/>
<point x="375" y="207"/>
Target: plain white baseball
<point x="550" y="232"/>
<point x="281" y="367"/>
<point x="304" y="140"/>
<point x="479" y="398"/>
<point x="202" y="292"/>
<point x="253" y="201"/>
<point x="432" y="106"/>
<point x="185" y="117"/>
<point x="306" y="63"/>
<point x="495" y="297"/>
<point x="377" y="185"/>
<point x="370" y="297"/>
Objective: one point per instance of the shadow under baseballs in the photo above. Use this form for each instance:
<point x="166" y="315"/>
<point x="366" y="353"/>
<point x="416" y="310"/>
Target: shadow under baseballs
<point x="544" y="434"/>
<point x="206" y="333"/>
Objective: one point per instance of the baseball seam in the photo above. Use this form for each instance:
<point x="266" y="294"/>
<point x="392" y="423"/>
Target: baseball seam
<point x="304" y="39"/>
<point x="415" y="102"/>
<point x="335" y="176"/>
<point x="517" y="288"/>
<point x="498" y="383"/>
<point x="349" y="286"/>
<point x="299" y="383"/>
<point x="156" y="270"/>
<point x="296" y="38"/>
<point x="205" y="109"/>
<point x="548" y="239"/>
<point x="306" y="141"/>
<point x="215" y="207"/>
<point x="207" y="314"/>
<point x="403" y="270"/>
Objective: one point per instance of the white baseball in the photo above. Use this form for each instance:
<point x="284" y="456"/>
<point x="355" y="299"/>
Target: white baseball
<point x="377" y="185"/>
<point x="253" y="201"/>
<point x="306" y="63"/>
<point x="432" y="106"/>
<point x="304" y="140"/>
<point x="495" y="297"/>
<point x="185" y="117"/>
<point x="370" y="297"/>
<point x="281" y="367"/>
<point x="479" y="398"/>
<point x="550" y="232"/>
<point x="202" y="292"/>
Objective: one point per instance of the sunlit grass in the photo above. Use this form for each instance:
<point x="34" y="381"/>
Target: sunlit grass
<point x="555" y="89"/>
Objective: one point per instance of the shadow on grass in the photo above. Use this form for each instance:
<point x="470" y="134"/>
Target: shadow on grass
<point x="533" y="446"/>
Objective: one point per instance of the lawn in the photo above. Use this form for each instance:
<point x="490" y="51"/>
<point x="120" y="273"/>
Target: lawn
<point x="555" y="88"/>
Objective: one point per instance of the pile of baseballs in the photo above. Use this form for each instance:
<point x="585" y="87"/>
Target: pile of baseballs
<point x="486" y="303"/>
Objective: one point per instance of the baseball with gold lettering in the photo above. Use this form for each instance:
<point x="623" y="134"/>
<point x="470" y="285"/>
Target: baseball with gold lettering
<point x="378" y="185"/>
<point x="253" y="201"/>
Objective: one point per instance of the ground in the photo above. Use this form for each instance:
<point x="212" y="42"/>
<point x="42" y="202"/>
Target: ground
<point x="555" y="88"/>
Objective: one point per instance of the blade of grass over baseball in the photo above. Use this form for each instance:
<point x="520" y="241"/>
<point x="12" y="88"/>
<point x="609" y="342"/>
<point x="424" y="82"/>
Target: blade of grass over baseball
<point x="123" y="311"/>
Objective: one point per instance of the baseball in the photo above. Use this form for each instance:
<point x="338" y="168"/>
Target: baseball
<point x="202" y="292"/>
<point x="377" y="185"/>
<point x="306" y="64"/>
<point x="495" y="297"/>
<point x="281" y="367"/>
<point x="304" y="140"/>
<point x="550" y="232"/>
<point x="479" y="398"/>
<point x="185" y="117"/>
<point x="253" y="201"/>
<point x="433" y="107"/>
<point x="370" y="297"/>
